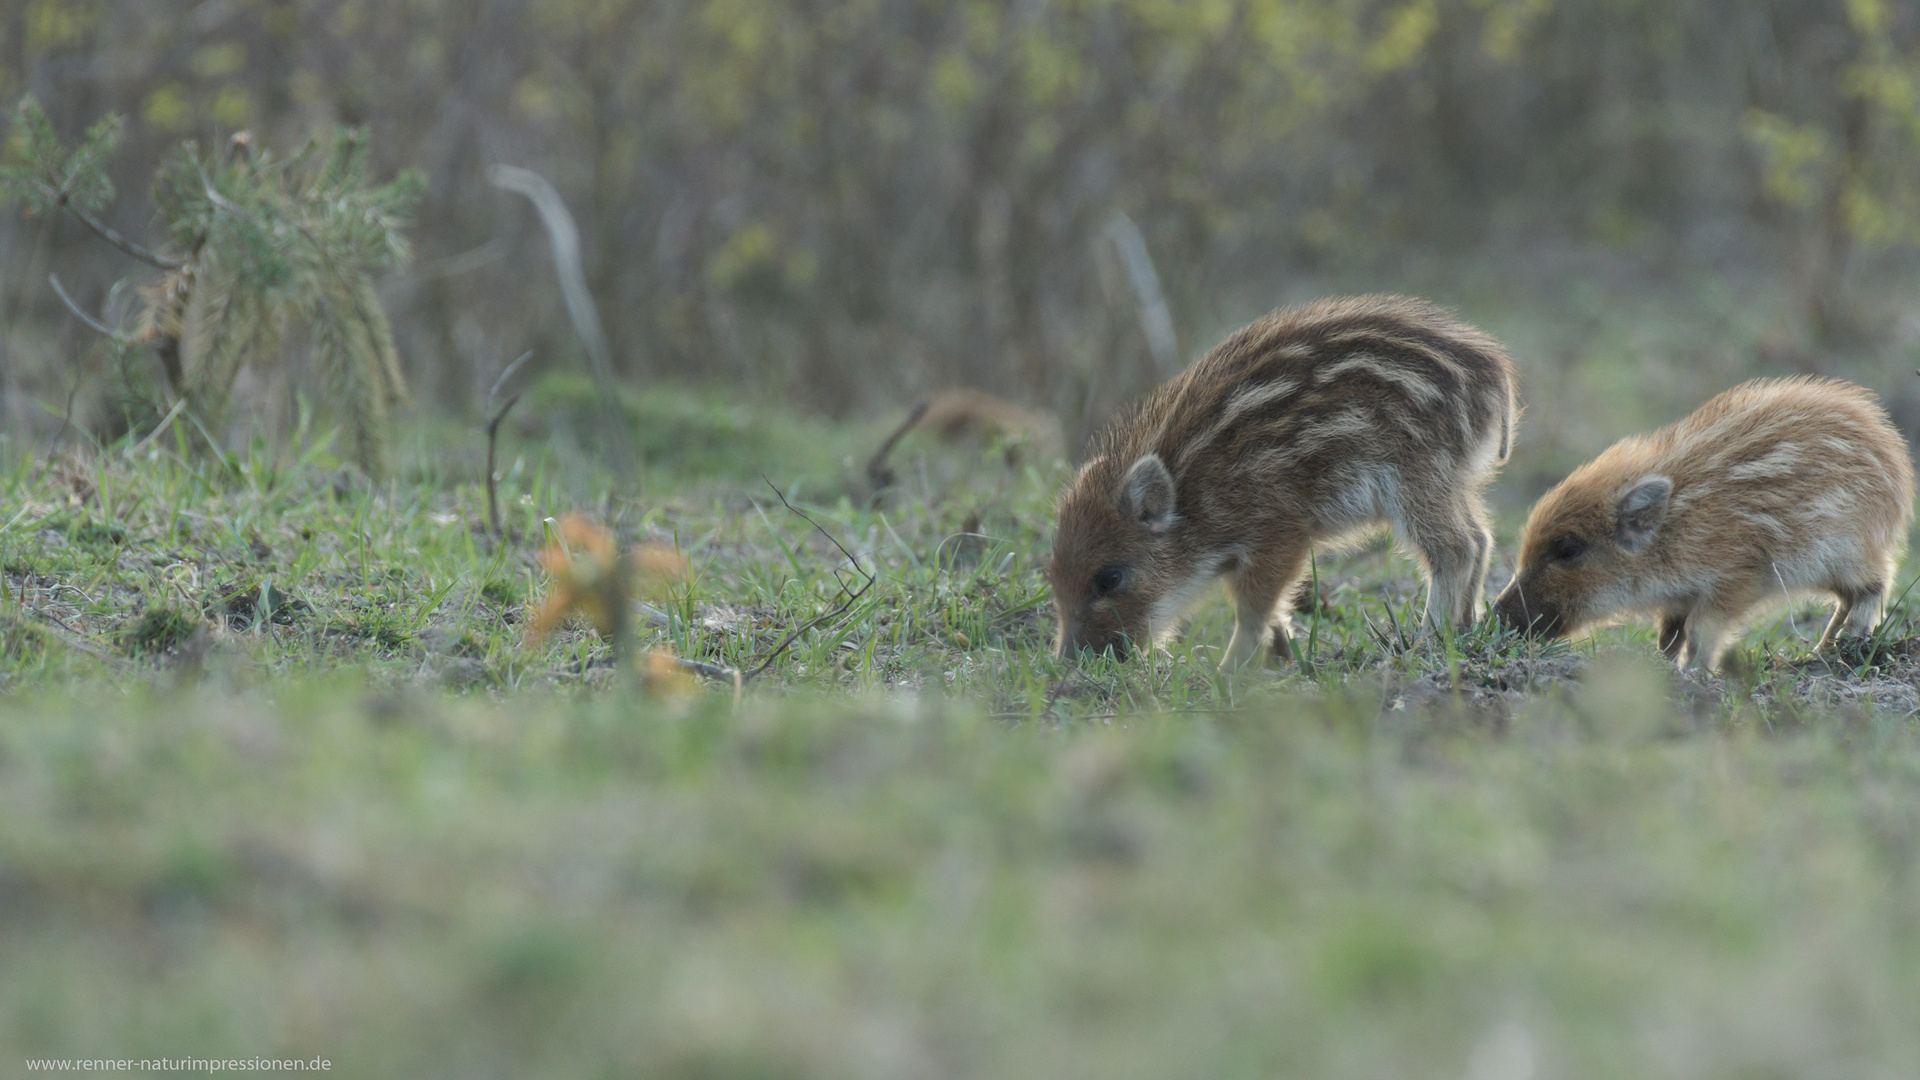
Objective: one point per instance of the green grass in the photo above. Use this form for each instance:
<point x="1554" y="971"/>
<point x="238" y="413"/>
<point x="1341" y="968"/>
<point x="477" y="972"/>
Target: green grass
<point x="280" y="775"/>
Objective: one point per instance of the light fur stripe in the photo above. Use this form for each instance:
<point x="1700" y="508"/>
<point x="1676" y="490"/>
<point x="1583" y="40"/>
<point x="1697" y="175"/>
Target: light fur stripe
<point x="1238" y="405"/>
<point x="1346" y="424"/>
<point x="1369" y="340"/>
<point x="1384" y="370"/>
<point x="1506" y="427"/>
<point x="1783" y="460"/>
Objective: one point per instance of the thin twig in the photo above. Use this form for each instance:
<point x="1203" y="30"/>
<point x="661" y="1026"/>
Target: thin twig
<point x="128" y="247"/>
<point x="91" y="322"/>
<point x="1155" y="321"/>
<point x="493" y="438"/>
<point x="165" y="422"/>
<point x="1179" y="711"/>
<point x="213" y="444"/>
<point x="505" y="375"/>
<point x="564" y="237"/>
<point x="1061" y="685"/>
<point x="66" y="415"/>
<point x="460" y="263"/>
<point x="714" y="672"/>
<point x="219" y="201"/>
<point x="879" y="476"/>
<point x="963" y="537"/>
<point x="494" y="417"/>
<point x="706" y="670"/>
<point x="39" y="625"/>
<point x="853" y="596"/>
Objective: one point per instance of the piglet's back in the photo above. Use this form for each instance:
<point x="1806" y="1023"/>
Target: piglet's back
<point x="1770" y="464"/>
<point x="1328" y="384"/>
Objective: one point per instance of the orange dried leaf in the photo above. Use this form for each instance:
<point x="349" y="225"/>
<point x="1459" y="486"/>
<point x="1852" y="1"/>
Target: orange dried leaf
<point x="589" y="578"/>
<point x="663" y="676"/>
<point x="655" y="563"/>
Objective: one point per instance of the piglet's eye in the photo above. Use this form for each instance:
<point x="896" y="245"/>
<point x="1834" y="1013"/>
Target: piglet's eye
<point x="1108" y="580"/>
<point x="1568" y="548"/>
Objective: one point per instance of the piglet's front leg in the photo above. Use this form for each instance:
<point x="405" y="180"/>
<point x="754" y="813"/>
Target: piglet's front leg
<point x="1259" y="588"/>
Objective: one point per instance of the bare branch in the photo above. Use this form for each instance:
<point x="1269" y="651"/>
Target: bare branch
<point x="40" y="625"/>
<point x="853" y="597"/>
<point x="1155" y="321"/>
<point x="92" y="322"/>
<point x="494" y="417"/>
<point x="218" y="200"/>
<point x="66" y="421"/>
<point x="165" y="421"/>
<point x="105" y="232"/>
<point x="564" y="236"/>
<point x="79" y="380"/>
<point x="879" y="476"/>
<point x="459" y="263"/>
<point x="505" y="375"/>
<point x="706" y="670"/>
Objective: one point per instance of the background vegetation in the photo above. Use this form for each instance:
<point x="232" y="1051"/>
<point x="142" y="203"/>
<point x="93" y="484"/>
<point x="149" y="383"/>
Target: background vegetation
<point x="845" y="204"/>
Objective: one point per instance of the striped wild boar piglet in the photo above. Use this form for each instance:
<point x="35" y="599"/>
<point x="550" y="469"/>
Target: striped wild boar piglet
<point x="1773" y="488"/>
<point x="1313" y="427"/>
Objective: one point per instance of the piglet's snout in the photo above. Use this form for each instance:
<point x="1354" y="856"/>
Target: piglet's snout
<point x="1513" y="610"/>
<point x="1075" y="646"/>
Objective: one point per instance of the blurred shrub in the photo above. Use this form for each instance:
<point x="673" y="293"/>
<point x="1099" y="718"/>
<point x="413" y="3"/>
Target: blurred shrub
<point x="845" y="201"/>
<point x="253" y="245"/>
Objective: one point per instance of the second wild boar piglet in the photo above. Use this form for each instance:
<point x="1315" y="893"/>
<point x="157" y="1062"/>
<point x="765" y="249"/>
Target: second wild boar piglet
<point x="1775" y="487"/>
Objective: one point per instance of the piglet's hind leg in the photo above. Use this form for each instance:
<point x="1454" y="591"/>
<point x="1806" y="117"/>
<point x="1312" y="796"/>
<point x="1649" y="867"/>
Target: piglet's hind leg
<point x="1855" y="612"/>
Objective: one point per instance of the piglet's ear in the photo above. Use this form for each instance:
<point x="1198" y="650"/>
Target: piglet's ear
<point x="1640" y="512"/>
<point x="1146" y="494"/>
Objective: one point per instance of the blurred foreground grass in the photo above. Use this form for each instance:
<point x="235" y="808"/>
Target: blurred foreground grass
<point x="280" y="776"/>
<point x="417" y="885"/>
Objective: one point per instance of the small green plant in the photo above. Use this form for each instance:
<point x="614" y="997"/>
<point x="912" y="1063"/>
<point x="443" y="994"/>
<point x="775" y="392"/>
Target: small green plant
<point x="160" y="630"/>
<point x="256" y="246"/>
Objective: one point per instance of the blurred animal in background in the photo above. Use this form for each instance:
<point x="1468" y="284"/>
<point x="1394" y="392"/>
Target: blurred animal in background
<point x="1773" y="488"/>
<point x="962" y="415"/>
<point x="1309" y="429"/>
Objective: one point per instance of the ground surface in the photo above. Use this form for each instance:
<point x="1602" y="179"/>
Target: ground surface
<point x="282" y="774"/>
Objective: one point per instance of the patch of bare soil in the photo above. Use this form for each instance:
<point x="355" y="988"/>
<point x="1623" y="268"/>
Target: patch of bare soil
<point x="1880" y="676"/>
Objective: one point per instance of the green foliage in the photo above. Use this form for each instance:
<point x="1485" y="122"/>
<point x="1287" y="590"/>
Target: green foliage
<point x="257" y="247"/>
<point x="161" y="629"/>
<point x="1882" y="202"/>
<point x="315" y="213"/>
<point x="1857" y="161"/>
<point x="1791" y="155"/>
<point x="851" y="202"/>
<point x="42" y="175"/>
<point x="275" y="243"/>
